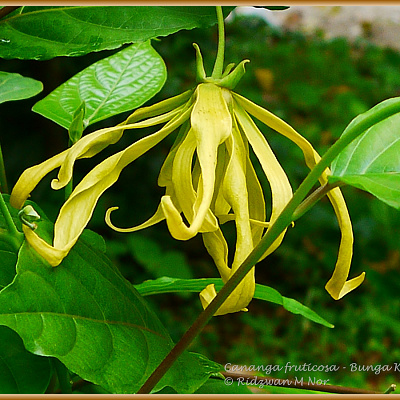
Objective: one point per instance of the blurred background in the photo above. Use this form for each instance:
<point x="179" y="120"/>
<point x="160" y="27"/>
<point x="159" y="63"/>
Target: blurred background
<point x="316" y="68"/>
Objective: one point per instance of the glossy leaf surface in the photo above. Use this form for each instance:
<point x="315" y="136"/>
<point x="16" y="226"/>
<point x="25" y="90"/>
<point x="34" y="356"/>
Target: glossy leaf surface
<point x="42" y="33"/>
<point x="372" y="162"/>
<point x="121" y="82"/>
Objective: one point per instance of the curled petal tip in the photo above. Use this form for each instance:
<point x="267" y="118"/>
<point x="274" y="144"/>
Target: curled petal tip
<point x="52" y="255"/>
<point x="337" y="290"/>
<point x="207" y="295"/>
<point x="237" y="300"/>
<point x="108" y="217"/>
<point x="175" y="223"/>
<point x="56" y="184"/>
<point x="31" y="177"/>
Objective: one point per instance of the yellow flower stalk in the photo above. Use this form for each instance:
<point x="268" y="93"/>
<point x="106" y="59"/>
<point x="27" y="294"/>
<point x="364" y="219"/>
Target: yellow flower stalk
<point x="208" y="177"/>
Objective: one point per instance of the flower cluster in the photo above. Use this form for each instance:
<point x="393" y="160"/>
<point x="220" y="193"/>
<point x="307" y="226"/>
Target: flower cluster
<point x="208" y="177"/>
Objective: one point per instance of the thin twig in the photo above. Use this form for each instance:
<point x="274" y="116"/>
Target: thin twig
<point x="7" y="10"/>
<point x="294" y="383"/>
<point x="313" y="198"/>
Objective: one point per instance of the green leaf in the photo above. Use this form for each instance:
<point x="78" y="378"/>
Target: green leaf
<point x="266" y="293"/>
<point x="77" y="126"/>
<point x="88" y="316"/>
<point x="17" y="87"/>
<point x="21" y="372"/>
<point x="118" y="83"/>
<point x="156" y="261"/>
<point x="42" y="33"/>
<point x="372" y="162"/>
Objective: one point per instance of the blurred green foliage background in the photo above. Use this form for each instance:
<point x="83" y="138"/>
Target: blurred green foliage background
<point x="317" y="86"/>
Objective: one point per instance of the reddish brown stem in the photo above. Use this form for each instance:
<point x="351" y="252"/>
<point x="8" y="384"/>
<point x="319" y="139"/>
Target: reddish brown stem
<point x="7" y="10"/>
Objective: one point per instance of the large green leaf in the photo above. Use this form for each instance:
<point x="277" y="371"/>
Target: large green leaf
<point x="21" y="372"/>
<point x="118" y="83"/>
<point x="372" y="162"/>
<point x="87" y="315"/>
<point x="41" y="33"/>
<point x="17" y="87"/>
<point x="262" y="292"/>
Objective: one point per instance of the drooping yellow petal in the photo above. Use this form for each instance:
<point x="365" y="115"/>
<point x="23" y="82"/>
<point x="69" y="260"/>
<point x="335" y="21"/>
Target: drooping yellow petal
<point x="185" y="194"/>
<point x="77" y="210"/>
<point x="219" y="205"/>
<point x="256" y="206"/>
<point x="256" y="203"/>
<point x="157" y="217"/>
<point x="51" y="254"/>
<point x="211" y="124"/>
<point x="337" y="286"/>
<point x="31" y="177"/>
<point x="159" y="108"/>
<point x="279" y="126"/>
<point x="280" y="186"/>
<point x="217" y="248"/>
<point x="235" y="193"/>
<point x="164" y="179"/>
<point x="88" y="146"/>
<point x="93" y="143"/>
<point x="165" y="176"/>
<point x="182" y="177"/>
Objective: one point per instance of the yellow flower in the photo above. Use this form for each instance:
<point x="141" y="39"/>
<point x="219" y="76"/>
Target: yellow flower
<point x="208" y="179"/>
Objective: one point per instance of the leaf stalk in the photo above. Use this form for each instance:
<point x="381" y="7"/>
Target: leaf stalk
<point x="11" y="235"/>
<point x="219" y="61"/>
<point x="313" y="199"/>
